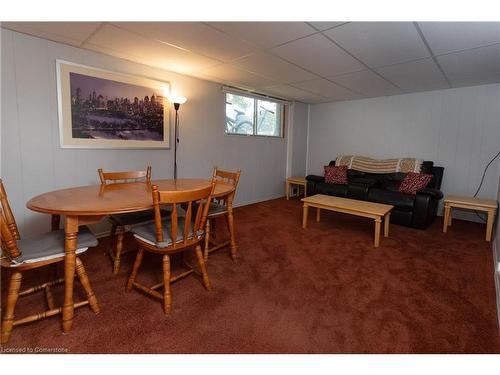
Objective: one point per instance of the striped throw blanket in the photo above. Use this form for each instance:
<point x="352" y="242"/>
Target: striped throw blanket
<point x="364" y="164"/>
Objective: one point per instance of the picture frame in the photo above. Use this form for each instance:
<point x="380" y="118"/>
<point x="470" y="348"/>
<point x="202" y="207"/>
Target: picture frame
<point x="100" y="109"/>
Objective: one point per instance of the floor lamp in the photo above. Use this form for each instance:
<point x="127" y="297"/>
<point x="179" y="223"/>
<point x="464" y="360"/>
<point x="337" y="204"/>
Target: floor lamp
<point x="177" y="100"/>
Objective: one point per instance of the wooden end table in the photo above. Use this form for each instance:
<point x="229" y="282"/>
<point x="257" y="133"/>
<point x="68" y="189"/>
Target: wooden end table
<point x="469" y="203"/>
<point x="377" y="211"/>
<point x="299" y="181"/>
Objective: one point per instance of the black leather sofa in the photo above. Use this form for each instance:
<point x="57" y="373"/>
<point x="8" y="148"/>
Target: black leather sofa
<point x="417" y="211"/>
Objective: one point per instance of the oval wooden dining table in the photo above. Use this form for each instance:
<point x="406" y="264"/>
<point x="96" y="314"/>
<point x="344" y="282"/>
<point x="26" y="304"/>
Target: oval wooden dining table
<point x="89" y="204"/>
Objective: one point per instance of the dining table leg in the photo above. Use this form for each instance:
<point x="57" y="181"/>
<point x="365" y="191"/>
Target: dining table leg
<point x="70" y="243"/>
<point x="55" y="222"/>
<point x="230" y="220"/>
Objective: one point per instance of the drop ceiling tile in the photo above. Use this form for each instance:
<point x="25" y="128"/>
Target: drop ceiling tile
<point x="420" y="75"/>
<point x="235" y="76"/>
<point x="146" y="51"/>
<point x="193" y="36"/>
<point x="472" y="67"/>
<point x="380" y="43"/>
<point x="306" y="98"/>
<point x="319" y="100"/>
<point x="274" y="67"/>
<point x="265" y="34"/>
<point x="327" y="89"/>
<point x="114" y="53"/>
<point x="444" y="37"/>
<point x="319" y="55"/>
<point x="73" y="33"/>
<point x="202" y="75"/>
<point x="289" y="92"/>
<point x="325" y="25"/>
<point x="367" y="83"/>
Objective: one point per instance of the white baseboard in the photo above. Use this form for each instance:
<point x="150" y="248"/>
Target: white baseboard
<point x="246" y="203"/>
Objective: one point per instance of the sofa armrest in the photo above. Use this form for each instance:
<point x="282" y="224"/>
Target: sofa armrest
<point x="312" y="180"/>
<point x="435" y="193"/>
<point x="425" y="207"/>
<point x="315" y="178"/>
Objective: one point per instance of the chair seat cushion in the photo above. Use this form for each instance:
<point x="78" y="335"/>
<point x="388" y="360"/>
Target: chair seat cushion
<point x="132" y="218"/>
<point x="216" y="209"/>
<point x="51" y="245"/>
<point x="147" y="232"/>
<point x="213" y="210"/>
<point x="140" y="217"/>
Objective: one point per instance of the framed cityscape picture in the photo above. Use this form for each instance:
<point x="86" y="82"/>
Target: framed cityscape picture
<point x="102" y="109"/>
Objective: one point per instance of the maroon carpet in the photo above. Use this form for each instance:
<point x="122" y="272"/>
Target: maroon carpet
<point x="325" y="289"/>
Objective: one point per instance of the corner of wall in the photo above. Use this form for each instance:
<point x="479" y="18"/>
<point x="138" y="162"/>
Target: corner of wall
<point x="307" y="138"/>
<point x="496" y="253"/>
<point x="289" y="140"/>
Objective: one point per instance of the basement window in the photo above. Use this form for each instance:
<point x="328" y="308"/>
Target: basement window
<point x="248" y="115"/>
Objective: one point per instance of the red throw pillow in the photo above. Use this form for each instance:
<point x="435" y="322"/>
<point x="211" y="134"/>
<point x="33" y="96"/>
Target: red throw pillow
<point x="413" y="182"/>
<point x="336" y="175"/>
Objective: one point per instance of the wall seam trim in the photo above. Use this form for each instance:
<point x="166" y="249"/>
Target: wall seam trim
<point x="307" y="139"/>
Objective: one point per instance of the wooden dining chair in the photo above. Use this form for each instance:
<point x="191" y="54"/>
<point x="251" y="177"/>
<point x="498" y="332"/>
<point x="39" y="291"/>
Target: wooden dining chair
<point x="19" y="255"/>
<point x="120" y="221"/>
<point x="174" y="234"/>
<point x="219" y="208"/>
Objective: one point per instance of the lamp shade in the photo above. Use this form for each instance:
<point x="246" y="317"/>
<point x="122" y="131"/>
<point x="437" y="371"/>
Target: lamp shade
<point x="177" y="99"/>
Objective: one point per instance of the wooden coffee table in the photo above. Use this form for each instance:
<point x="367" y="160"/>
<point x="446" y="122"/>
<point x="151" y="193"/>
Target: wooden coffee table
<point x="375" y="211"/>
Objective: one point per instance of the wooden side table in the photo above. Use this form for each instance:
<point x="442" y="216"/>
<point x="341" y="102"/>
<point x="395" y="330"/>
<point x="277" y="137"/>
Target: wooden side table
<point x="299" y="181"/>
<point x="487" y="205"/>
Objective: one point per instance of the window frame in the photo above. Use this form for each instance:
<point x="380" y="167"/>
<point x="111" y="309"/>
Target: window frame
<point x="281" y="114"/>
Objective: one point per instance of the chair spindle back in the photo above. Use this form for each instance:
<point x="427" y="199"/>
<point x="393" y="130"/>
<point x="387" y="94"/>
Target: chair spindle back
<point x="7" y="212"/>
<point x="227" y="177"/>
<point x="8" y="228"/>
<point x="184" y="198"/>
<point x="117" y="177"/>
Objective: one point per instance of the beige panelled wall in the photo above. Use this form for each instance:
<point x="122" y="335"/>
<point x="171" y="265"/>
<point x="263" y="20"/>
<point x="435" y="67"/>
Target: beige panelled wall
<point x="496" y="248"/>
<point x="497" y="235"/>
<point x="33" y="162"/>
<point x="458" y="129"/>
<point x="299" y="140"/>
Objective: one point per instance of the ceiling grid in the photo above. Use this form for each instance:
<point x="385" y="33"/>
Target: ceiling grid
<point x="312" y="62"/>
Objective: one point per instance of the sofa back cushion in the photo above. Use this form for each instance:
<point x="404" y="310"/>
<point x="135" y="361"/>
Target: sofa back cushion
<point x="437" y="172"/>
<point x="402" y="202"/>
<point x="391" y="185"/>
<point x="352" y="173"/>
<point x="413" y="182"/>
<point x="336" y="175"/>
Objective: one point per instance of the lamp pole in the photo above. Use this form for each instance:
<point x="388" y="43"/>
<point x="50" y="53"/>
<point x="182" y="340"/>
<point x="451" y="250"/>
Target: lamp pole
<point x="177" y="100"/>
<point x="176" y="137"/>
